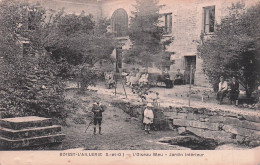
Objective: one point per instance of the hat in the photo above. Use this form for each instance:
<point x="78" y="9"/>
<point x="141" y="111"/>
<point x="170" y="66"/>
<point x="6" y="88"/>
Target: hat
<point x="96" y="103"/>
<point x="149" y="105"/>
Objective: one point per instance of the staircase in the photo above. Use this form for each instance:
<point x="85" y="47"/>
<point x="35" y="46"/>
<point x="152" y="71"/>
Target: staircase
<point x="28" y="131"/>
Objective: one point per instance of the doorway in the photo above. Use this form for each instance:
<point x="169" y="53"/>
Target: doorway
<point x="190" y="61"/>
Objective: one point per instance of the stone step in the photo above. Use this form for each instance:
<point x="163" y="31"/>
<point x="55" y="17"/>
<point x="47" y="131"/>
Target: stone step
<point x="28" y="133"/>
<point x="25" y="122"/>
<point x="35" y="141"/>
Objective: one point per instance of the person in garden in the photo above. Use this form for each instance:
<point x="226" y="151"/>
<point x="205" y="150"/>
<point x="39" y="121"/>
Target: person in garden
<point x="97" y="109"/>
<point x="148" y="118"/>
<point x="166" y="79"/>
<point x="222" y="90"/>
<point x="178" y="78"/>
<point x="144" y="79"/>
<point x="234" y="90"/>
<point x="109" y="78"/>
<point x="156" y="110"/>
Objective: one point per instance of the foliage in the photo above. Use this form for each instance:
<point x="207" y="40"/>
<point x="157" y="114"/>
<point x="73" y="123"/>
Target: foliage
<point x="32" y="88"/>
<point x="145" y="34"/>
<point x="88" y="76"/>
<point x="141" y="90"/>
<point x="234" y="48"/>
<point x="29" y="83"/>
<point x="79" y="40"/>
<point x="77" y="44"/>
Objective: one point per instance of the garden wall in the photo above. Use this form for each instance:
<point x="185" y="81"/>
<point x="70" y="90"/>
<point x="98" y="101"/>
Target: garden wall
<point x="136" y="110"/>
<point x="222" y="126"/>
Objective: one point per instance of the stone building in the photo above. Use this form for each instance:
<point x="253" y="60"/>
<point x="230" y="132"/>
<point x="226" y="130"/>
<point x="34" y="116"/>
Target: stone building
<point x="185" y="20"/>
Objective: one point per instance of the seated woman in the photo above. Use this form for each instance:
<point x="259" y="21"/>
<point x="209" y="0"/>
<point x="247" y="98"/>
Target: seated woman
<point x="109" y="78"/>
<point x="178" y="78"/>
<point x="166" y="79"/>
<point x="234" y="91"/>
<point x="143" y="79"/>
<point x="130" y="78"/>
<point x="222" y="90"/>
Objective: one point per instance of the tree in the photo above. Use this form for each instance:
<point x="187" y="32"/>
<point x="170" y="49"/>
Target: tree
<point x="64" y="30"/>
<point x="79" y="39"/>
<point x="77" y="43"/>
<point x="146" y="35"/>
<point x="234" y="49"/>
<point x="29" y="83"/>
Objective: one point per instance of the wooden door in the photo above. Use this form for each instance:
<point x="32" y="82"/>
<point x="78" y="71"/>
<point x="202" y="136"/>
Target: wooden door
<point x="190" y="61"/>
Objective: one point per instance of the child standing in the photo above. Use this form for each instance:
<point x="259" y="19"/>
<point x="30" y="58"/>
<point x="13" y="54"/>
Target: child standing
<point x="97" y="109"/>
<point x="148" y="118"/>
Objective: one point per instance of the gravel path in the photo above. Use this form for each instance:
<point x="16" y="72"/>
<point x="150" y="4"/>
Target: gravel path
<point x="168" y="98"/>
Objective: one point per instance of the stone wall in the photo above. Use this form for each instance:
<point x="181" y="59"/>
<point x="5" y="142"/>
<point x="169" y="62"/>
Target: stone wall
<point x="136" y="110"/>
<point x="187" y="26"/>
<point x="74" y="6"/>
<point x="110" y="6"/>
<point x="222" y="126"/>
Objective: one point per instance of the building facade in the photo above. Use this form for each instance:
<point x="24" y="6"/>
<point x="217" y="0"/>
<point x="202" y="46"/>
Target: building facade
<point x="184" y="20"/>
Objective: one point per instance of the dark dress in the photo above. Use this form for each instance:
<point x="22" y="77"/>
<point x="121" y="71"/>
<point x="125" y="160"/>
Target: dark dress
<point x="167" y="80"/>
<point x="234" y="91"/>
<point x="97" y="110"/>
<point x="178" y="79"/>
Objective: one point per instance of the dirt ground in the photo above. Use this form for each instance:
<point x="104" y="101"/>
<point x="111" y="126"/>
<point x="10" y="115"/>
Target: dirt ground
<point x="120" y="131"/>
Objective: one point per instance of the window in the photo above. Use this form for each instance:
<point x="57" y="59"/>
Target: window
<point x="167" y="23"/>
<point x="208" y="19"/>
<point x="120" y="23"/>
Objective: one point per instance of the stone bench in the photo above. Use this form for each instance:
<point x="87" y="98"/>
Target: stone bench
<point x="25" y="122"/>
<point x="28" y="131"/>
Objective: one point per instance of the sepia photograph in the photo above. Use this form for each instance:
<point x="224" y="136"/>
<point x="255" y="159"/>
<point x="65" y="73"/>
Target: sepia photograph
<point x="83" y="81"/>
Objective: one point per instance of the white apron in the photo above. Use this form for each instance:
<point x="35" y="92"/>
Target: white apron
<point x="148" y="116"/>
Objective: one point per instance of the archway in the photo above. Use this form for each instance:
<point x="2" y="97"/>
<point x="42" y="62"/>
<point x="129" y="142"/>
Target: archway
<point x="119" y="22"/>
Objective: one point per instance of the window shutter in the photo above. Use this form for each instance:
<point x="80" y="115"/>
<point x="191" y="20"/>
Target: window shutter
<point x="166" y="23"/>
<point x="208" y="19"/>
<point x="170" y="23"/>
<point x="212" y="19"/>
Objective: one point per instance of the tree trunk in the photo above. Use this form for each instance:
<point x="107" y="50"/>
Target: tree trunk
<point x="146" y="67"/>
